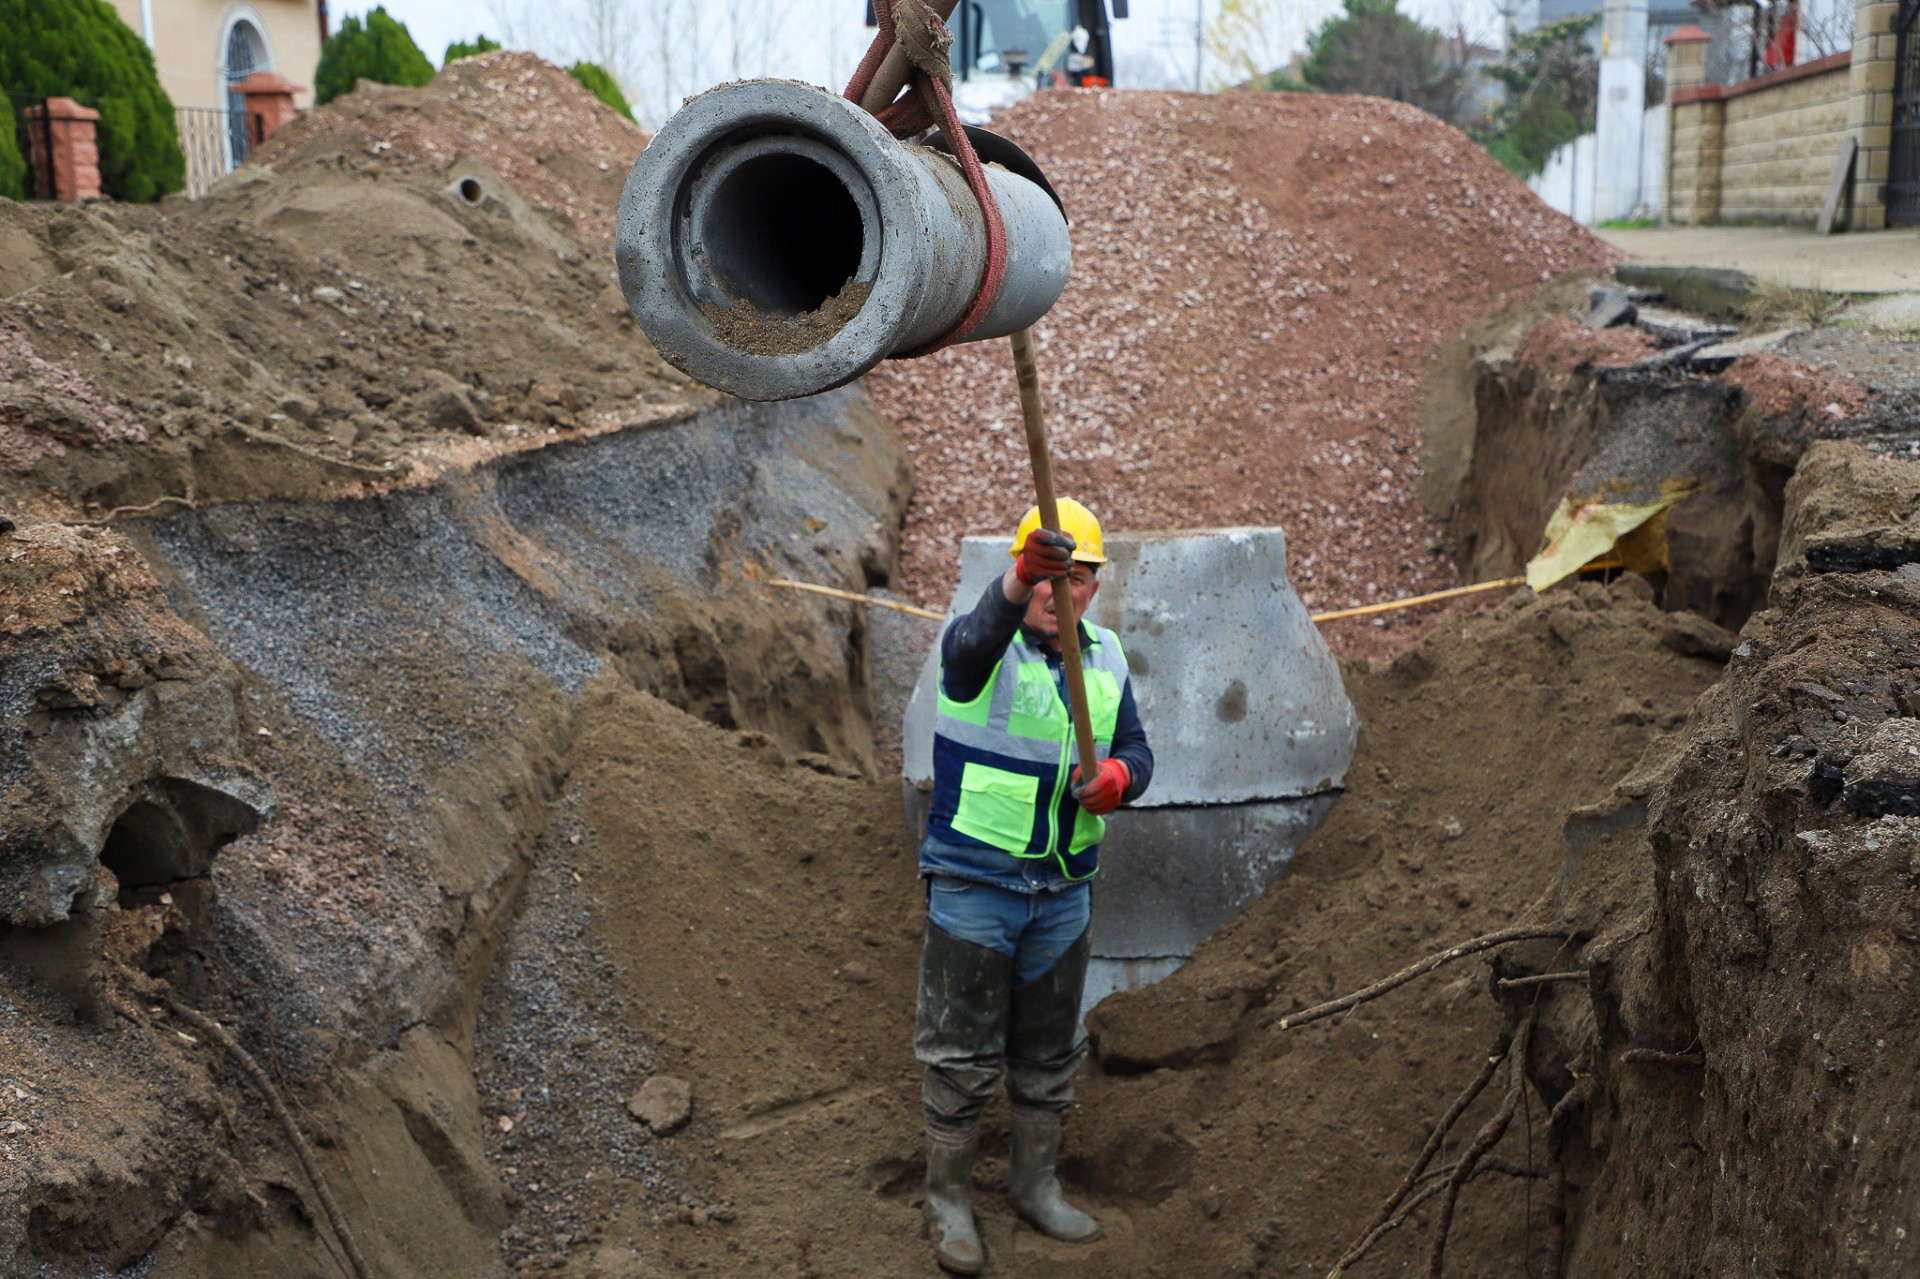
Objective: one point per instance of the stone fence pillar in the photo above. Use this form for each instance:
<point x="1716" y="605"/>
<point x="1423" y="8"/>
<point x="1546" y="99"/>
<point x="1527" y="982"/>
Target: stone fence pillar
<point x="269" y="99"/>
<point x="1870" y="108"/>
<point x="63" y="148"/>
<point x="1696" y="129"/>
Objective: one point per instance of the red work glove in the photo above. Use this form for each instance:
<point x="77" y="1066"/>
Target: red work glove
<point x="1045" y="556"/>
<point x="1103" y="794"/>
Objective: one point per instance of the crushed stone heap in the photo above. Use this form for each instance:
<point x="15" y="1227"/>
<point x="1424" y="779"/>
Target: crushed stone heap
<point x="1257" y="281"/>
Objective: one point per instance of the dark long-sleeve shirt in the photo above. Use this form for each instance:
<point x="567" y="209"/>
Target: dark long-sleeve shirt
<point x="974" y="644"/>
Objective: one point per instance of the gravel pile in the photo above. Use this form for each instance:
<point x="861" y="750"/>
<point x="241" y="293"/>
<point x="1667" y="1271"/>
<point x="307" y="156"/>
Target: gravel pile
<point x="1258" y="281"/>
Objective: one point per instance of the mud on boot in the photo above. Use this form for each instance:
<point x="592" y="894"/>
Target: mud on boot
<point x="1034" y="1187"/>
<point x="956" y="1239"/>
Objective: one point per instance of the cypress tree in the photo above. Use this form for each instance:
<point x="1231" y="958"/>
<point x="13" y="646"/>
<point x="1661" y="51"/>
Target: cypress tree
<point x="601" y="85"/>
<point x="13" y="166"/>
<point x="81" y="49"/>
<point x="379" y="49"/>
<point x="467" y="49"/>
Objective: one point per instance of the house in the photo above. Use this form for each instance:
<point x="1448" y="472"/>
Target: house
<point x="203" y="48"/>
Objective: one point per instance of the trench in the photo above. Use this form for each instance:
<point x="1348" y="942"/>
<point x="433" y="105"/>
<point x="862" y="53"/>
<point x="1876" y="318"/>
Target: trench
<point x="605" y="812"/>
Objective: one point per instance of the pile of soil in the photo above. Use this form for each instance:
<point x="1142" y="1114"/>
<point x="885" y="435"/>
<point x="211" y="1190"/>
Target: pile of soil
<point x="1257" y="281"/>
<point x="405" y="281"/>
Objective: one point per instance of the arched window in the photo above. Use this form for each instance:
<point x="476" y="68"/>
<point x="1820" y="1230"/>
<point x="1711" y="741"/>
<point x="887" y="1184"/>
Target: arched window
<point x="246" y="53"/>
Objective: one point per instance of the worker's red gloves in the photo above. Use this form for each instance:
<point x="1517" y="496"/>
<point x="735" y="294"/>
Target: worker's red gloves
<point x="1045" y="556"/>
<point x="1109" y="786"/>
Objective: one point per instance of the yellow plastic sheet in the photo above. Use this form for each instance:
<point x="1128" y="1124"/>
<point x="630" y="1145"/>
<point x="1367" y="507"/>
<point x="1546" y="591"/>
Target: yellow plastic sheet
<point x="1582" y="531"/>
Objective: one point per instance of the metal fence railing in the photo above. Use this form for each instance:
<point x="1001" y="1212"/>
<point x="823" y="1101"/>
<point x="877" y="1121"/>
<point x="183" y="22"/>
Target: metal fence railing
<point x="34" y="136"/>
<point x="214" y="141"/>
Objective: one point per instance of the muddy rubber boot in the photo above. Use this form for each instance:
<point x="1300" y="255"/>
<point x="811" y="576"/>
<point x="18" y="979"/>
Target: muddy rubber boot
<point x="1033" y="1185"/>
<point x="956" y="1239"/>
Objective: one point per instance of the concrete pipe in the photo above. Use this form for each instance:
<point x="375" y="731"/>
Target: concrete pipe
<point x="1251" y="730"/>
<point x="775" y="241"/>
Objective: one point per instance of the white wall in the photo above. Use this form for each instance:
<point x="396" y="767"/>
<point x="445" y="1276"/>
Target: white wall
<point x="1567" y="182"/>
<point x="1571" y="180"/>
<point x="1653" y="162"/>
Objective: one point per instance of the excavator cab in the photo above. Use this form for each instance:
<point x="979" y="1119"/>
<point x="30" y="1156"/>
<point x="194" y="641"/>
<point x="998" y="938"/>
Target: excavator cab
<point x="1004" y="50"/>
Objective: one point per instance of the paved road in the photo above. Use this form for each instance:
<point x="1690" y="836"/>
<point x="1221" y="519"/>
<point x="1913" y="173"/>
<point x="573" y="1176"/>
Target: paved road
<point x="1862" y="262"/>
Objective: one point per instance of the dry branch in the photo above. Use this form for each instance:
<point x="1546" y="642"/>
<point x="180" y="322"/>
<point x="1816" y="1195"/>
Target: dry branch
<point x="1655" y="1057"/>
<point x="1541" y="979"/>
<point x="1488" y="941"/>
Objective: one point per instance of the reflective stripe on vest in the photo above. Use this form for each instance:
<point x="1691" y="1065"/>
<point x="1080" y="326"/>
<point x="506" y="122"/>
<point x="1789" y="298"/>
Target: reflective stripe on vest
<point x="1002" y="761"/>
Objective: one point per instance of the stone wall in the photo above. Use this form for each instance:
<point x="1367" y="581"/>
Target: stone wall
<point x="1763" y="150"/>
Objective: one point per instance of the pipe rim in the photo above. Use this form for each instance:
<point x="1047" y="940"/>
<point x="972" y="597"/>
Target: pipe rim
<point x="653" y="234"/>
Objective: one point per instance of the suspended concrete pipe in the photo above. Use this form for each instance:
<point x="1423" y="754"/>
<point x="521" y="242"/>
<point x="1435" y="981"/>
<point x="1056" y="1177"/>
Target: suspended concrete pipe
<point x="1250" y="725"/>
<point x="776" y="241"/>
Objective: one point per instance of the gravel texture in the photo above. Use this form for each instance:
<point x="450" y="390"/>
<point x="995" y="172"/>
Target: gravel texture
<point x="1258" y="281"/>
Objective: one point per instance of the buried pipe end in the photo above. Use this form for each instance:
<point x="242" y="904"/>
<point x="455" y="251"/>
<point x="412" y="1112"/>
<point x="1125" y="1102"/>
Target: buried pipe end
<point x="775" y="241"/>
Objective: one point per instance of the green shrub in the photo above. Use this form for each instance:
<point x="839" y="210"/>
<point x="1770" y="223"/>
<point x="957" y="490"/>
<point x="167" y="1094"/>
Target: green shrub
<point x="13" y="166"/>
<point x="601" y="85"/>
<point x="1552" y="81"/>
<point x="379" y="49"/>
<point x="81" y="49"/>
<point x="467" y="49"/>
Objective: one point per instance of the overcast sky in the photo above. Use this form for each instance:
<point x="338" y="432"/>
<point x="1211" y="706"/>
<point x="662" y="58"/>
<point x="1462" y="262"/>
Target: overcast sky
<point x="820" y="40"/>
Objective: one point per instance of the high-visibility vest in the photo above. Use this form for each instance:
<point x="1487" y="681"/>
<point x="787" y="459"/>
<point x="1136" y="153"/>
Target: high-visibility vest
<point x="1002" y="762"/>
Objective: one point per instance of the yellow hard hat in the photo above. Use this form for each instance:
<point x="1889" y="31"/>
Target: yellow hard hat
<point x="1076" y="520"/>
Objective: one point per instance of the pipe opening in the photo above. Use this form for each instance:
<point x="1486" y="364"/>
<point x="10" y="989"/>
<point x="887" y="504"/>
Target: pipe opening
<point x="170" y="834"/>
<point x="471" y="190"/>
<point x="783" y="233"/>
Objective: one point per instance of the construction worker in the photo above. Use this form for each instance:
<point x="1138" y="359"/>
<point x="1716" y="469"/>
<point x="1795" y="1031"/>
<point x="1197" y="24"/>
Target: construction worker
<point x="1013" y="836"/>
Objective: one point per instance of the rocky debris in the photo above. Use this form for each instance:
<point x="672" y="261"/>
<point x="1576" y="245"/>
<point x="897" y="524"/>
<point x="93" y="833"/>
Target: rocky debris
<point x="1672" y="328"/>
<point x="1719" y="355"/>
<point x="1611" y="306"/>
<point x="664" y="1104"/>
<point x="1532" y="407"/>
<point x="1692" y="635"/>
<point x="1241" y="339"/>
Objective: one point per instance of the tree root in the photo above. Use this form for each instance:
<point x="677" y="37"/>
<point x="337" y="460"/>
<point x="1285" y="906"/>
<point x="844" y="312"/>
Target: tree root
<point x="277" y="1103"/>
<point x="1486" y="942"/>
<point x="1483" y="1141"/>
<point x="1421" y="1183"/>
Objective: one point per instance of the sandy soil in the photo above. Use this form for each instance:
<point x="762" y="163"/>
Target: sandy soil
<point x="767" y="937"/>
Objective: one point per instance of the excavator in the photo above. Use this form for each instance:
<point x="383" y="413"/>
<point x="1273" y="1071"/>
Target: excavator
<point x="1004" y="50"/>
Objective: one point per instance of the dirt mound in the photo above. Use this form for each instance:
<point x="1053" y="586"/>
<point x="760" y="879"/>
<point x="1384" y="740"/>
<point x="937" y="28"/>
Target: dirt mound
<point x="1257" y="280"/>
<point x="561" y="148"/>
<point x="1272" y="1149"/>
<point x="408" y="279"/>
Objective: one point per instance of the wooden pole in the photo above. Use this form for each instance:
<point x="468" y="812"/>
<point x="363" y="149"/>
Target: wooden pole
<point x="854" y="597"/>
<point x="1031" y="409"/>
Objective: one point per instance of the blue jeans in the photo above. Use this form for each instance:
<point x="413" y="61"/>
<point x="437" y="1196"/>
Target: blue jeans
<point x="1032" y="929"/>
<point x="1001" y="974"/>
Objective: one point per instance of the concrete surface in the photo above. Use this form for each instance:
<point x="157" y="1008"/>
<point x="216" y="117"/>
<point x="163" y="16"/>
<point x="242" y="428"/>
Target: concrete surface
<point x="1857" y="262"/>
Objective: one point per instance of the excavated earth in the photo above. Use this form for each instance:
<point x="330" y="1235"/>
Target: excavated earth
<point x="429" y="725"/>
